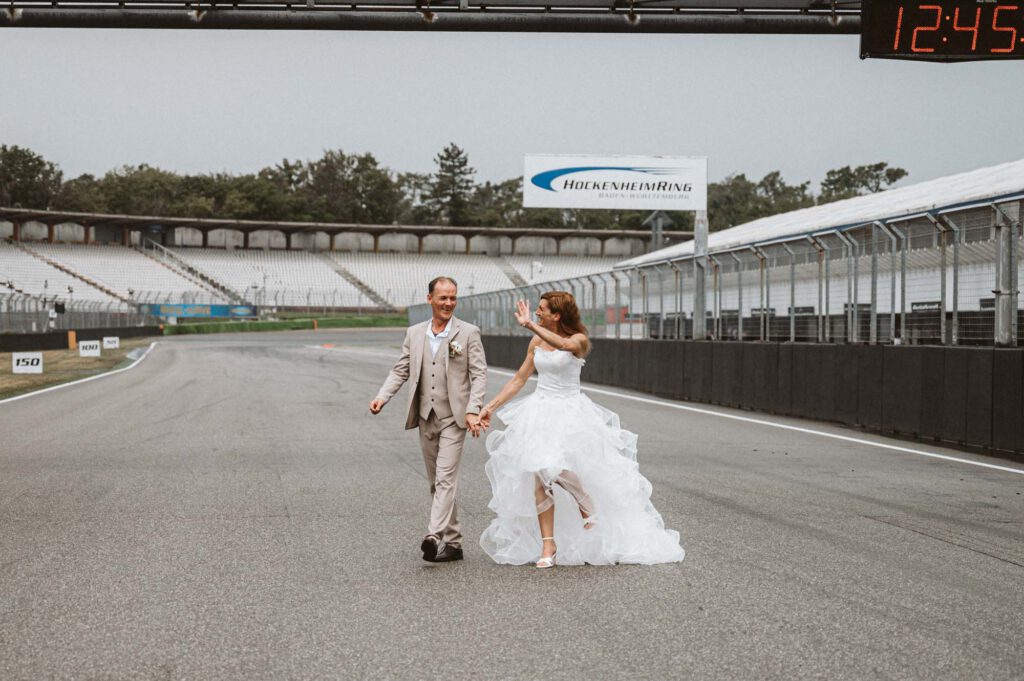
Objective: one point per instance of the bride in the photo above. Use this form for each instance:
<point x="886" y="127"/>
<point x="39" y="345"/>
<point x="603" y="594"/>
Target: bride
<point x="563" y="463"/>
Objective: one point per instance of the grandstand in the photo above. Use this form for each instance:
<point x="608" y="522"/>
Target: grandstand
<point x="275" y="278"/>
<point x="22" y="272"/>
<point x="278" y="278"/>
<point x="125" y="272"/>
<point x="401" y="278"/>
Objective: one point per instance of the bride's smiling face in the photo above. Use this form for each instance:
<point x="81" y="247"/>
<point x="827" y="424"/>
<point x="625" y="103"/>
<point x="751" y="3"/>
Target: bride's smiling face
<point x="545" y="317"/>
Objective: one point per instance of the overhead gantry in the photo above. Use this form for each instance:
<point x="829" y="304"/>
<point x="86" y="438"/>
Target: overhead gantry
<point x="570" y="16"/>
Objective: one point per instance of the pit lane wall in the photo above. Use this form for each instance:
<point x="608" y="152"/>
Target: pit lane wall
<point x="962" y="396"/>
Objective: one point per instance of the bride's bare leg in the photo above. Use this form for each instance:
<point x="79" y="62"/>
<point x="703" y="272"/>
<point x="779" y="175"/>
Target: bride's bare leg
<point x="545" y="517"/>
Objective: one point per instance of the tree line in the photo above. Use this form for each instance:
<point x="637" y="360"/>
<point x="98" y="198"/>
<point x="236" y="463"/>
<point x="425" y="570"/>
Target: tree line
<point x="356" y="188"/>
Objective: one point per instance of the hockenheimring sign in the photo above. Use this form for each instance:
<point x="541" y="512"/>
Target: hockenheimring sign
<point x="655" y="183"/>
<point x="622" y="182"/>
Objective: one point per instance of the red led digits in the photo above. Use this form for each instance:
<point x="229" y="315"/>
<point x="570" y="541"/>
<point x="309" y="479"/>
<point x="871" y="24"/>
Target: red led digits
<point x="942" y="30"/>
<point x="1004" y="29"/>
<point x="899" y="27"/>
<point x="972" y="29"/>
<point x="919" y="29"/>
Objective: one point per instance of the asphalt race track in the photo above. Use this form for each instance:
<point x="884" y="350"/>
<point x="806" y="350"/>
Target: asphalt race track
<point x="229" y="509"/>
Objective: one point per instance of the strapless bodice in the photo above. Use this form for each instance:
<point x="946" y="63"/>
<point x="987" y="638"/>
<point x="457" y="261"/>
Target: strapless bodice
<point x="558" y="372"/>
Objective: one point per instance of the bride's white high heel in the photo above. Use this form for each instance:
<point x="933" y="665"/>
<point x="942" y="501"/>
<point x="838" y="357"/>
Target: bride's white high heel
<point x="547" y="561"/>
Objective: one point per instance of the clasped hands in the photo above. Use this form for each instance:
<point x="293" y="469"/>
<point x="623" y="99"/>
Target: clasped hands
<point x="475" y="423"/>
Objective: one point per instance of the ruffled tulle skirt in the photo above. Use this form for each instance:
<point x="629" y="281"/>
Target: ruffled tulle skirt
<point x="548" y="435"/>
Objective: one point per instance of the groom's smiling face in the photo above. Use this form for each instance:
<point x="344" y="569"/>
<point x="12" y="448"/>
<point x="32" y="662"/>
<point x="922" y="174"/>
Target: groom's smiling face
<point x="443" y="300"/>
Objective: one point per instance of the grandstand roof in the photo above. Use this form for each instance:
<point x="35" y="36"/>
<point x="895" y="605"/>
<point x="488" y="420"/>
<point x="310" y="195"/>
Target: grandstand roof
<point x="144" y="222"/>
<point x="954" y="191"/>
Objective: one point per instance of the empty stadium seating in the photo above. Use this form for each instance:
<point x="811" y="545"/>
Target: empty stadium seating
<point x="537" y="269"/>
<point x="279" y="278"/>
<point x="126" y="272"/>
<point x="401" y="278"/>
<point x="28" y="274"/>
<point x="275" y="278"/>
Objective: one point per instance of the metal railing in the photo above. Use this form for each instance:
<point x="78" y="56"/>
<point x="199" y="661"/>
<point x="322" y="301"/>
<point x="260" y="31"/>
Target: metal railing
<point x="948" y="276"/>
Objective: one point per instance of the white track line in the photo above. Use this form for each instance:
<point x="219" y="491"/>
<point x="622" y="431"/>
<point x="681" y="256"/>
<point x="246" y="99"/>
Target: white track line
<point x="81" y="380"/>
<point x="747" y="419"/>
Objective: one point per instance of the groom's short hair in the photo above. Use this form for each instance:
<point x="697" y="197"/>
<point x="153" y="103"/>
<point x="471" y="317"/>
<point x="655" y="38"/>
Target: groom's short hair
<point x="436" y="280"/>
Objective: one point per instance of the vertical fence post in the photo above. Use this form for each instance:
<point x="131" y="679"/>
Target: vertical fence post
<point x="943" y="239"/>
<point x="873" y="319"/>
<point x="661" y="301"/>
<point x="904" y="242"/>
<point x="700" y="265"/>
<point x="957" y="238"/>
<point x="644" y="304"/>
<point x="678" y="335"/>
<point x="761" y="281"/>
<point x="892" y="278"/>
<point x="851" y="300"/>
<point x="618" y="305"/>
<point x="716" y="298"/>
<point x="828" y="292"/>
<point x="739" y="295"/>
<point x="821" y="283"/>
<point x="792" y="292"/>
<point x="1005" y="285"/>
<point x="629" y="307"/>
<point x="1014" y="284"/>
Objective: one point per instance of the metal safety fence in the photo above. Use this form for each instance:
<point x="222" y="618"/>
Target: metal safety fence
<point x="23" y="313"/>
<point x="947" y="276"/>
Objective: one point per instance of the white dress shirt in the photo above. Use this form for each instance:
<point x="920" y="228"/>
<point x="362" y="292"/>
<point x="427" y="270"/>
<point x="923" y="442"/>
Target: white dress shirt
<point x="435" y="340"/>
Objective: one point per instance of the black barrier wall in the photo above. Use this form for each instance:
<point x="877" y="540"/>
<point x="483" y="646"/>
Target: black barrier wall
<point x="58" y="340"/>
<point x="971" y="397"/>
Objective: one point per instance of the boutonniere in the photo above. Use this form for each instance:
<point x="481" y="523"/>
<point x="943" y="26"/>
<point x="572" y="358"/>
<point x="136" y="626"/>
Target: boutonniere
<point x="454" y="349"/>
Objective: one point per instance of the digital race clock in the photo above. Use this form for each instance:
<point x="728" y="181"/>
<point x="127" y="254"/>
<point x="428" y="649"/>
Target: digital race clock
<point x="947" y="30"/>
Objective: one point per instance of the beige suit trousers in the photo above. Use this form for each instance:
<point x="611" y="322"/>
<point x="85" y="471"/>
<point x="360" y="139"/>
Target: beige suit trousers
<point x="442" y="441"/>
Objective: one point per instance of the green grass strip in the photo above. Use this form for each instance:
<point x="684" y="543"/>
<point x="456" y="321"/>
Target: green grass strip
<point x="364" y="321"/>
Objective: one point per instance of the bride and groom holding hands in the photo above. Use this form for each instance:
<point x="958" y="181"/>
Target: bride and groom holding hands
<point x="565" y="482"/>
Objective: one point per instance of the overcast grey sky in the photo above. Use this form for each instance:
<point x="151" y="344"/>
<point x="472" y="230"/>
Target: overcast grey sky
<point x="203" y="101"/>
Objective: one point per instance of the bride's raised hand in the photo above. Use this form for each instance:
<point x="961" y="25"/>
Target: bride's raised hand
<point x="522" y="312"/>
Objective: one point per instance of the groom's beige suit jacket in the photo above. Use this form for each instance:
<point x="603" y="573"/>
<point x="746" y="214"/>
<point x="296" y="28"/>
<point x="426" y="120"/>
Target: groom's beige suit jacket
<point x="465" y="371"/>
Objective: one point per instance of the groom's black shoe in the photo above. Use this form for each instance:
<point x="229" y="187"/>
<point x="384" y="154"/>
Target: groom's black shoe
<point x="448" y="554"/>
<point x="429" y="548"/>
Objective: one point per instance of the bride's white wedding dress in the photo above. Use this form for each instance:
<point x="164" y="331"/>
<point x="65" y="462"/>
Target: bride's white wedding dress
<point x="583" y="458"/>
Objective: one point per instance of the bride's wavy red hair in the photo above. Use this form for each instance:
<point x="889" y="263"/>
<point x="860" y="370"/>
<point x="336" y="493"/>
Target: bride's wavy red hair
<point x="564" y="303"/>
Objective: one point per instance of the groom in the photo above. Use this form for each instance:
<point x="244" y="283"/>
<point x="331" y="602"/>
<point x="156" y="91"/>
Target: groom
<point x="444" y="357"/>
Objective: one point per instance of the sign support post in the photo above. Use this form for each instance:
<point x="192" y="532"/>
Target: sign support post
<point x="700" y="268"/>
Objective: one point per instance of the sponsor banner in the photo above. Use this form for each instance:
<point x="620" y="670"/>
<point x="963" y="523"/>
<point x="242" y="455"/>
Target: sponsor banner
<point x="88" y="348"/>
<point x="629" y="182"/>
<point x="194" y="310"/>
<point x="111" y="342"/>
<point x="27" y="362"/>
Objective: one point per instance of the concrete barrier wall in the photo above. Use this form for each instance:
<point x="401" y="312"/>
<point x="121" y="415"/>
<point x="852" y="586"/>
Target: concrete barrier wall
<point x="971" y="397"/>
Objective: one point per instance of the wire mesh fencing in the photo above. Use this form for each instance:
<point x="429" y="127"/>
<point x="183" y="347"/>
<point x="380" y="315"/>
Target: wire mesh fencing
<point x="22" y="313"/>
<point x="948" y="276"/>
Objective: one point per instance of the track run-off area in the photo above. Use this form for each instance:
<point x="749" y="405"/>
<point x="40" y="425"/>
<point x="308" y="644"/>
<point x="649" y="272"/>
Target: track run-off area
<point x="228" y="509"/>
